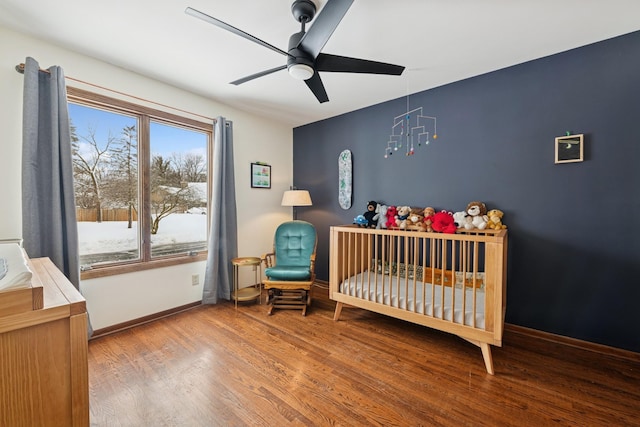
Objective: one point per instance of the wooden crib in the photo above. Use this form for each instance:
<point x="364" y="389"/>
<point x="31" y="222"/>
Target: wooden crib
<point x="451" y="282"/>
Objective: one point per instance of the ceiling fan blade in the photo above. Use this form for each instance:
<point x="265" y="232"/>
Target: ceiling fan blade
<point x="315" y="84"/>
<point x="256" y="75"/>
<point x="343" y="64"/>
<point x="218" y="23"/>
<point x="323" y="26"/>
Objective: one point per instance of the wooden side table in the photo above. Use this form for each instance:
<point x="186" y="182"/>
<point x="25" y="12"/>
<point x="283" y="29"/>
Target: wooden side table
<point x="250" y="292"/>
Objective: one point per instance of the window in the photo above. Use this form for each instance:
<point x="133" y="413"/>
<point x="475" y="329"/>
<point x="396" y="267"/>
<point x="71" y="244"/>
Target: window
<point x="141" y="182"/>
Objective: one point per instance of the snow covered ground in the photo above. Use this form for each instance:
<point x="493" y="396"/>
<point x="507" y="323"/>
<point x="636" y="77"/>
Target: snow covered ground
<point x="114" y="236"/>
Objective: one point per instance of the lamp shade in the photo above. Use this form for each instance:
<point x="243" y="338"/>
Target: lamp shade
<point x="296" y="198"/>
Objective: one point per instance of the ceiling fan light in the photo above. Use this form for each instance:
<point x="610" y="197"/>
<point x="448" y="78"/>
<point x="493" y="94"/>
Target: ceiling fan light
<point x="301" y="71"/>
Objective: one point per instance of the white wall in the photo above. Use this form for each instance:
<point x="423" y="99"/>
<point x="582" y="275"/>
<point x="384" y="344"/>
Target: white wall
<point x="117" y="299"/>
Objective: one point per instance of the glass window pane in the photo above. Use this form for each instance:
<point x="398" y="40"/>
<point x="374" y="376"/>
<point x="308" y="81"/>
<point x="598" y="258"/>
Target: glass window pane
<point x="105" y="159"/>
<point x="179" y="191"/>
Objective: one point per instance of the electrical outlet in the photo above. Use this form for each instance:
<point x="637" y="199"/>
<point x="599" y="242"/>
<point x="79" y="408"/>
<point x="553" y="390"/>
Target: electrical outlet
<point x="195" y="279"/>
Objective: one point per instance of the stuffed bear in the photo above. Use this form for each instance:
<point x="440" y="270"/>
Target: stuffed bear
<point x="443" y="222"/>
<point x="381" y="210"/>
<point x="495" y="219"/>
<point x="415" y="221"/>
<point x="402" y="216"/>
<point x="478" y="212"/>
<point x="392" y="211"/>
<point x="428" y="213"/>
<point x="370" y="214"/>
<point x="462" y="219"/>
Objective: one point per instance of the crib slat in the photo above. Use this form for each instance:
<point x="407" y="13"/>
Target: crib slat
<point x="406" y="275"/>
<point x="414" y="273"/>
<point x="368" y="263"/>
<point x="396" y="261"/>
<point x="364" y="256"/>
<point x="433" y="276"/>
<point x="425" y="241"/>
<point x="374" y="266"/>
<point x="443" y="266"/>
<point x="350" y="251"/>
<point x="453" y="282"/>
<point x="475" y="269"/>
<point x="463" y="286"/>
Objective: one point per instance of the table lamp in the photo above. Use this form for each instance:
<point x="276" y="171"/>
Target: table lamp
<point x="295" y="198"/>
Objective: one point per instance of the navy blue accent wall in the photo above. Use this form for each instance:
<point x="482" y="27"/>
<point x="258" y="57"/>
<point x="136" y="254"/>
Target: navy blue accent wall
<point x="574" y="229"/>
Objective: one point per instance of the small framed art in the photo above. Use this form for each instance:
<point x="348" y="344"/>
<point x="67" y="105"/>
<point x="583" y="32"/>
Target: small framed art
<point x="260" y="175"/>
<point x="570" y="148"/>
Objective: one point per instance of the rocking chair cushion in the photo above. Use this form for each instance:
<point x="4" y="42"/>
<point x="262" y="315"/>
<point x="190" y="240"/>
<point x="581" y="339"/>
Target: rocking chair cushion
<point x="288" y="273"/>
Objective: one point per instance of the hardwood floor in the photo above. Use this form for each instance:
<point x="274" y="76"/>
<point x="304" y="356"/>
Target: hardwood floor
<point x="215" y="366"/>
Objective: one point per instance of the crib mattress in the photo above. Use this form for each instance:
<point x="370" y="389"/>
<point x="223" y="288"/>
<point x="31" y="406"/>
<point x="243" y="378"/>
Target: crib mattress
<point x="418" y="297"/>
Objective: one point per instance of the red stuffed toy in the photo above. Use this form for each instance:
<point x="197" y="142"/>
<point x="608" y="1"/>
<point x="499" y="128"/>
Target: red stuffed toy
<point x="392" y="211"/>
<point x="443" y="222"/>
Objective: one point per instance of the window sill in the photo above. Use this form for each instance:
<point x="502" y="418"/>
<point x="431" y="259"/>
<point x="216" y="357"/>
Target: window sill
<point x="140" y="266"/>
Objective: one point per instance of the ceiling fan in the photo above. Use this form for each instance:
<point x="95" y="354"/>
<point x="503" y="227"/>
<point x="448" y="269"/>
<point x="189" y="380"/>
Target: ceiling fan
<point x="304" y="59"/>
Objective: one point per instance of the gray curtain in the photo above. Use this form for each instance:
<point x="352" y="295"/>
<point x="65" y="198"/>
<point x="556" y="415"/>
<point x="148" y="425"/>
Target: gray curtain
<point x="223" y="229"/>
<point x="48" y="206"/>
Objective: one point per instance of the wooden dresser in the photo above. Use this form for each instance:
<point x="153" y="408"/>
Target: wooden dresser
<point x="43" y="352"/>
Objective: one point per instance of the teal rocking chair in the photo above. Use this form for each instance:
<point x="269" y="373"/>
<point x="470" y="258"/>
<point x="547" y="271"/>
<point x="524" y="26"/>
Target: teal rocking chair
<point x="290" y="268"/>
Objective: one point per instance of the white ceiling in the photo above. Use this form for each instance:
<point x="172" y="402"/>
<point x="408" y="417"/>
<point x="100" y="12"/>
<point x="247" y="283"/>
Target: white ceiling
<point x="439" y="41"/>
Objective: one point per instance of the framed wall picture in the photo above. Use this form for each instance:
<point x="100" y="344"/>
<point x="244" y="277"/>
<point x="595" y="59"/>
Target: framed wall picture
<point x="569" y="148"/>
<point x="260" y="175"/>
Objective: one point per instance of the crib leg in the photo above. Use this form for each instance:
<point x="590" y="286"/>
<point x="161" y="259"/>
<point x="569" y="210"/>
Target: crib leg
<point x="336" y="315"/>
<point x="486" y="354"/>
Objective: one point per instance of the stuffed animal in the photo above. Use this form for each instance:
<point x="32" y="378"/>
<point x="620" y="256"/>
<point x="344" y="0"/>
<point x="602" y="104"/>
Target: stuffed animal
<point x="415" y="221"/>
<point x="428" y="213"/>
<point x="402" y="216"/>
<point x="495" y="219"/>
<point x="361" y="221"/>
<point x="478" y="212"/>
<point x="443" y="222"/>
<point x="462" y="219"/>
<point x="392" y="211"/>
<point x="381" y="211"/>
<point x="370" y="214"/>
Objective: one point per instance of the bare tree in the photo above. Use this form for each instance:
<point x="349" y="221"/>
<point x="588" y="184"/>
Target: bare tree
<point x="122" y="183"/>
<point x="165" y="200"/>
<point x="90" y="161"/>
<point x="84" y="195"/>
<point x="167" y="191"/>
<point x="192" y="167"/>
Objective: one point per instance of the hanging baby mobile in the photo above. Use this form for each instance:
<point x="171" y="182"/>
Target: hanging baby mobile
<point x="411" y="129"/>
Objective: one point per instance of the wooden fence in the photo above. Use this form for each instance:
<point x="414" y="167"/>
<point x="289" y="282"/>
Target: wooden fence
<point x="91" y="215"/>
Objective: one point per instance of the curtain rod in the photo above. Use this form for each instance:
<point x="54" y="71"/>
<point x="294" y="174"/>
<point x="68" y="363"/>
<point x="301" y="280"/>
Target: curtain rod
<point x="20" y="69"/>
